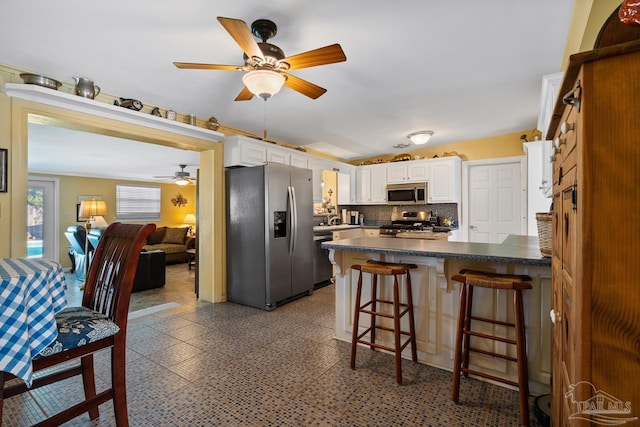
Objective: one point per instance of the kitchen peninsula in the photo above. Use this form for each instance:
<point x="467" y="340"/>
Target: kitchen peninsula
<point x="436" y="297"/>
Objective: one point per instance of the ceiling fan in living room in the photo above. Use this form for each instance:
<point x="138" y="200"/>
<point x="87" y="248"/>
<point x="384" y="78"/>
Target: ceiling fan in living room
<point x="266" y="66"/>
<point x="181" y="177"/>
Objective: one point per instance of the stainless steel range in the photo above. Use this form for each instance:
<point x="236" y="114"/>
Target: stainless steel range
<point x="405" y="221"/>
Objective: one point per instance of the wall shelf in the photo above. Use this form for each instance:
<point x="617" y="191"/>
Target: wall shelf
<point x="79" y="104"/>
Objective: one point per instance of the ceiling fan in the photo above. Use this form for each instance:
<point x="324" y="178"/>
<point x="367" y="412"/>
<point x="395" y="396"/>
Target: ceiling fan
<point x="181" y="177"/>
<point x="266" y="65"/>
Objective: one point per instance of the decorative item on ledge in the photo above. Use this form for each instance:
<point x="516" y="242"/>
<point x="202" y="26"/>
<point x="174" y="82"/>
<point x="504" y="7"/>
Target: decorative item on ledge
<point x="179" y="200"/>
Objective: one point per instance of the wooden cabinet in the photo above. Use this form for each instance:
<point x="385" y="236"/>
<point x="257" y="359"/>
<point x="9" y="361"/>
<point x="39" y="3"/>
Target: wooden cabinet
<point x="412" y="171"/>
<point x="445" y="180"/>
<point x="595" y="269"/>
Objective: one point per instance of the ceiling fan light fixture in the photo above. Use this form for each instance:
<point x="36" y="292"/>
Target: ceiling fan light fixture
<point x="263" y="83"/>
<point x="182" y="181"/>
<point x="420" y="137"/>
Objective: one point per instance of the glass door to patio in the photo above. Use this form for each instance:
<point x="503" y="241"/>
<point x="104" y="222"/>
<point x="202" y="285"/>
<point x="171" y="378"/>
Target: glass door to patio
<point x="42" y="235"/>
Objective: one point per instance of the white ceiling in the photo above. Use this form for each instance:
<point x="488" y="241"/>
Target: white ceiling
<point x="466" y="69"/>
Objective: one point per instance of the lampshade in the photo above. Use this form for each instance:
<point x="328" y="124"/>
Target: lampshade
<point x="189" y="219"/>
<point x="420" y="137"/>
<point x="93" y="208"/>
<point x="182" y="181"/>
<point x="263" y="83"/>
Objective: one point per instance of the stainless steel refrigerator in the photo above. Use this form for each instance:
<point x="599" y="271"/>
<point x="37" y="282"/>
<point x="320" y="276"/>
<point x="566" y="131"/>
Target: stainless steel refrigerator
<point x="269" y="234"/>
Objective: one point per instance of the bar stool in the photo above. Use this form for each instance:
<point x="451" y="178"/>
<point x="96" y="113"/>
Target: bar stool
<point x="516" y="283"/>
<point x="373" y="308"/>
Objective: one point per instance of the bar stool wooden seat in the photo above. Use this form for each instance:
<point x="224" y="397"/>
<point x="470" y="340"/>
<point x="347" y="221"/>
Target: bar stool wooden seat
<point x="516" y="283"/>
<point x="374" y="308"/>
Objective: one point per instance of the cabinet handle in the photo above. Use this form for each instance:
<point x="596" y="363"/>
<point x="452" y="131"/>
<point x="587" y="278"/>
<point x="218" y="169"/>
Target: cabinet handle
<point x="571" y="98"/>
<point x="558" y="142"/>
<point x="566" y="127"/>
<point x="555" y="316"/>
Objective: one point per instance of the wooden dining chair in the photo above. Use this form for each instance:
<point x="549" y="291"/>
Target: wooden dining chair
<point x="101" y="322"/>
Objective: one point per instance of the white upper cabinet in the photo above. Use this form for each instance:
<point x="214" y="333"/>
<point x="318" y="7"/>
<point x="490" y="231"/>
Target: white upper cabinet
<point x="408" y="171"/>
<point x="445" y="180"/>
<point x="378" y="184"/>
<point x="299" y="161"/>
<point x="363" y="183"/>
<point x="278" y="155"/>
<point x="316" y="166"/>
<point x="548" y="96"/>
<point x="242" y="151"/>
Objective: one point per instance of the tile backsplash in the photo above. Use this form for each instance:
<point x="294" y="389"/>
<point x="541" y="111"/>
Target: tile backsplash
<point x="380" y="214"/>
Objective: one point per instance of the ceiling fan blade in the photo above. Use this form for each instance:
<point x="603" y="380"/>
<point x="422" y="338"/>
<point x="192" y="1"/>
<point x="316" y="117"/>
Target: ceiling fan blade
<point x="304" y="87"/>
<point x="196" y="66"/>
<point x="244" y="95"/>
<point x="242" y="35"/>
<point x="321" y="56"/>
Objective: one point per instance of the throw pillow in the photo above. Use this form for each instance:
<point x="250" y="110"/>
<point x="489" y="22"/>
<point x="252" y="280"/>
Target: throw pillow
<point x="157" y="236"/>
<point x="175" y="235"/>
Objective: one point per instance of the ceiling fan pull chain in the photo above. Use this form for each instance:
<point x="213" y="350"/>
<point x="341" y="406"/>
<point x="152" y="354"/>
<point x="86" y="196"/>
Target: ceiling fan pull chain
<point x="264" y="130"/>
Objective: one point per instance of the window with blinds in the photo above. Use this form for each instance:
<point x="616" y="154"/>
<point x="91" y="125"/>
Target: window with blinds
<point x="137" y="203"/>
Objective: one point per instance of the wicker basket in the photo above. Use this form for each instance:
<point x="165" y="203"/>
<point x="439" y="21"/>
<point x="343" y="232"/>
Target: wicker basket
<point x="545" y="232"/>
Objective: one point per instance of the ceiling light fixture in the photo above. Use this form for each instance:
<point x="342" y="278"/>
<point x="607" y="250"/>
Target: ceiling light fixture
<point x="182" y="181"/>
<point x="420" y="137"/>
<point x="263" y="83"/>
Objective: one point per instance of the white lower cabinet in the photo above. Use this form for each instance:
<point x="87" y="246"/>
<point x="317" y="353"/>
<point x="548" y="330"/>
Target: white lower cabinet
<point x="436" y="302"/>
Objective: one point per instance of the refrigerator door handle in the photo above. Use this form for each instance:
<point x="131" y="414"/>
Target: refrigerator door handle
<point x="295" y="224"/>
<point x="292" y="219"/>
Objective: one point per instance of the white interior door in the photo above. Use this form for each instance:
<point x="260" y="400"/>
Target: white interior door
<point x="496" y="199"/>
<point x="42" y="221"/>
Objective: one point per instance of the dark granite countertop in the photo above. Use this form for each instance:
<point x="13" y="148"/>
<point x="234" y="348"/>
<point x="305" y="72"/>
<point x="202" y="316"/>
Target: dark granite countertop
<point x="514" y="249"/>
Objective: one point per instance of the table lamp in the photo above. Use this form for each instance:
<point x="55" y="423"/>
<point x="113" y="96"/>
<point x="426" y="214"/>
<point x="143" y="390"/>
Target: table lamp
<point x="190" y="220"/>
<point x="90" y="209"/>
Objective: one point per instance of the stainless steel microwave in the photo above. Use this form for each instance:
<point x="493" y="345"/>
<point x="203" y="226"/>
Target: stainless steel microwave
<point x="407" y="194"/>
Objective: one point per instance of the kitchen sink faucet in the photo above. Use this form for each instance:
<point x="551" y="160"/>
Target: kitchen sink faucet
<point x="332" y="219"/>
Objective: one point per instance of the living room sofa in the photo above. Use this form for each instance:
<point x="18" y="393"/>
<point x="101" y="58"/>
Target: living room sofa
<point x="173" y="241"/>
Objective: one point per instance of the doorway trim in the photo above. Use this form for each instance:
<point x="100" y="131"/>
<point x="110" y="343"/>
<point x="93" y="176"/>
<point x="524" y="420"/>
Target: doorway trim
<point x="490" y="162"/>
<point x="211" y="237"/>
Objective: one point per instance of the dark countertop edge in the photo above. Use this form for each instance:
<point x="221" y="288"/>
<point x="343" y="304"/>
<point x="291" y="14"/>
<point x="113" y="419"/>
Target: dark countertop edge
<point x="539" y="262"/>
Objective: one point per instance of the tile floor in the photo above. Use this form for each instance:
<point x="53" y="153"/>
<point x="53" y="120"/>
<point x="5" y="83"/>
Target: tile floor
<point x="202" y="364"/>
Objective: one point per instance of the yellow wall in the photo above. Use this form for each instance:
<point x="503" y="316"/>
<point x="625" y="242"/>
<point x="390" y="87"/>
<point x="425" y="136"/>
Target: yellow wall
<point x="586" y="21"/>
<point x="71" y="187"/>
<point x="476" y="149"/>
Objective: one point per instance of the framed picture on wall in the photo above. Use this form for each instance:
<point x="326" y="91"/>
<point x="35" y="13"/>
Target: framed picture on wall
<point x="4" y="161"/>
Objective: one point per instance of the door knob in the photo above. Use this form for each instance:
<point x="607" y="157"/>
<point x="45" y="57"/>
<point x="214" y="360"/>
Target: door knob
<point x="555" y="316"/>
<point x="473" y="227"/>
